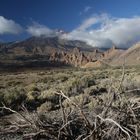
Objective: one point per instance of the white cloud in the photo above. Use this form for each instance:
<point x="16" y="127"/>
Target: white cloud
<point x="9" y="26"/>
<point x="38" y="30"/>
<point x="87" y="8"/>
<point x="104" y="30"/>
<point x="92" y="21"/>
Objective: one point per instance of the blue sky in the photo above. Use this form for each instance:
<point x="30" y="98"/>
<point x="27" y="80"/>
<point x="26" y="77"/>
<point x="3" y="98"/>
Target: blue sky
<point x="68" y="15"/>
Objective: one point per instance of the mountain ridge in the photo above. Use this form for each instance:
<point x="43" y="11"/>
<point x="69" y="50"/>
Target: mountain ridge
<point x="54" y="51"/>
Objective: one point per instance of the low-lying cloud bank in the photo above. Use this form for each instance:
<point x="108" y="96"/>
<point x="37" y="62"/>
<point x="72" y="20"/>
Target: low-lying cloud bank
<point x="98" y="30"/>
<point x="8" y="26"/>
<point x="37" y="30"/>
<point x="103" y="31"/>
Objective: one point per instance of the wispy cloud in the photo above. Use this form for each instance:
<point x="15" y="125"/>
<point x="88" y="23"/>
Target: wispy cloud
<point x="86" y="9"/>
<point x="8" y="26"/>
<point x="104" y="30"/>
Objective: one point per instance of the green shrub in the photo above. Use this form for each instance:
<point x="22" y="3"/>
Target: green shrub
<point x="1" y="96"/>
<point x="92" y="104"/>
<point x="47" y="106"/>
<point x="13" y="83"/>
<point x="33" y="95"/>
<point x="14" y="96"/>
<point x="50" y="95"/>
<point x="95" y="90"/>
<point x="32" y="87"/>
<point x="75" y="86"/>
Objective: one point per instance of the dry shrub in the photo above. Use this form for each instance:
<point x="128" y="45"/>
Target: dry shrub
<point x="81" y="100"/>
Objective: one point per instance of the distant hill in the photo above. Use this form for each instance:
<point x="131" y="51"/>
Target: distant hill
<point x="112" y="54"/>
<point x="130" y="56"/>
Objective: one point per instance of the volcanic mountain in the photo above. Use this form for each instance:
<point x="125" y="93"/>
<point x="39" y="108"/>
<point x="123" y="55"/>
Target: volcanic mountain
<point x="47" y="51"/>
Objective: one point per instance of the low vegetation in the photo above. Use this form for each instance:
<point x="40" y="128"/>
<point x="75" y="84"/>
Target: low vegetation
<point x="70" y="104"/>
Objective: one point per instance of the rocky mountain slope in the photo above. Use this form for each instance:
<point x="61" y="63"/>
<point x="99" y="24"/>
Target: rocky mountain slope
<point x="42" y="51"/>
<point x="56" y="52"/>
<point x="117" y="57"/>
<point x="130" y="56"/>
<point x="111" y="55"/>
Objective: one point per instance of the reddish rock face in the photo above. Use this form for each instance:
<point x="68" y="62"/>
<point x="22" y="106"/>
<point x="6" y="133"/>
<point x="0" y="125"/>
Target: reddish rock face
<point x="74" y="57"/>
